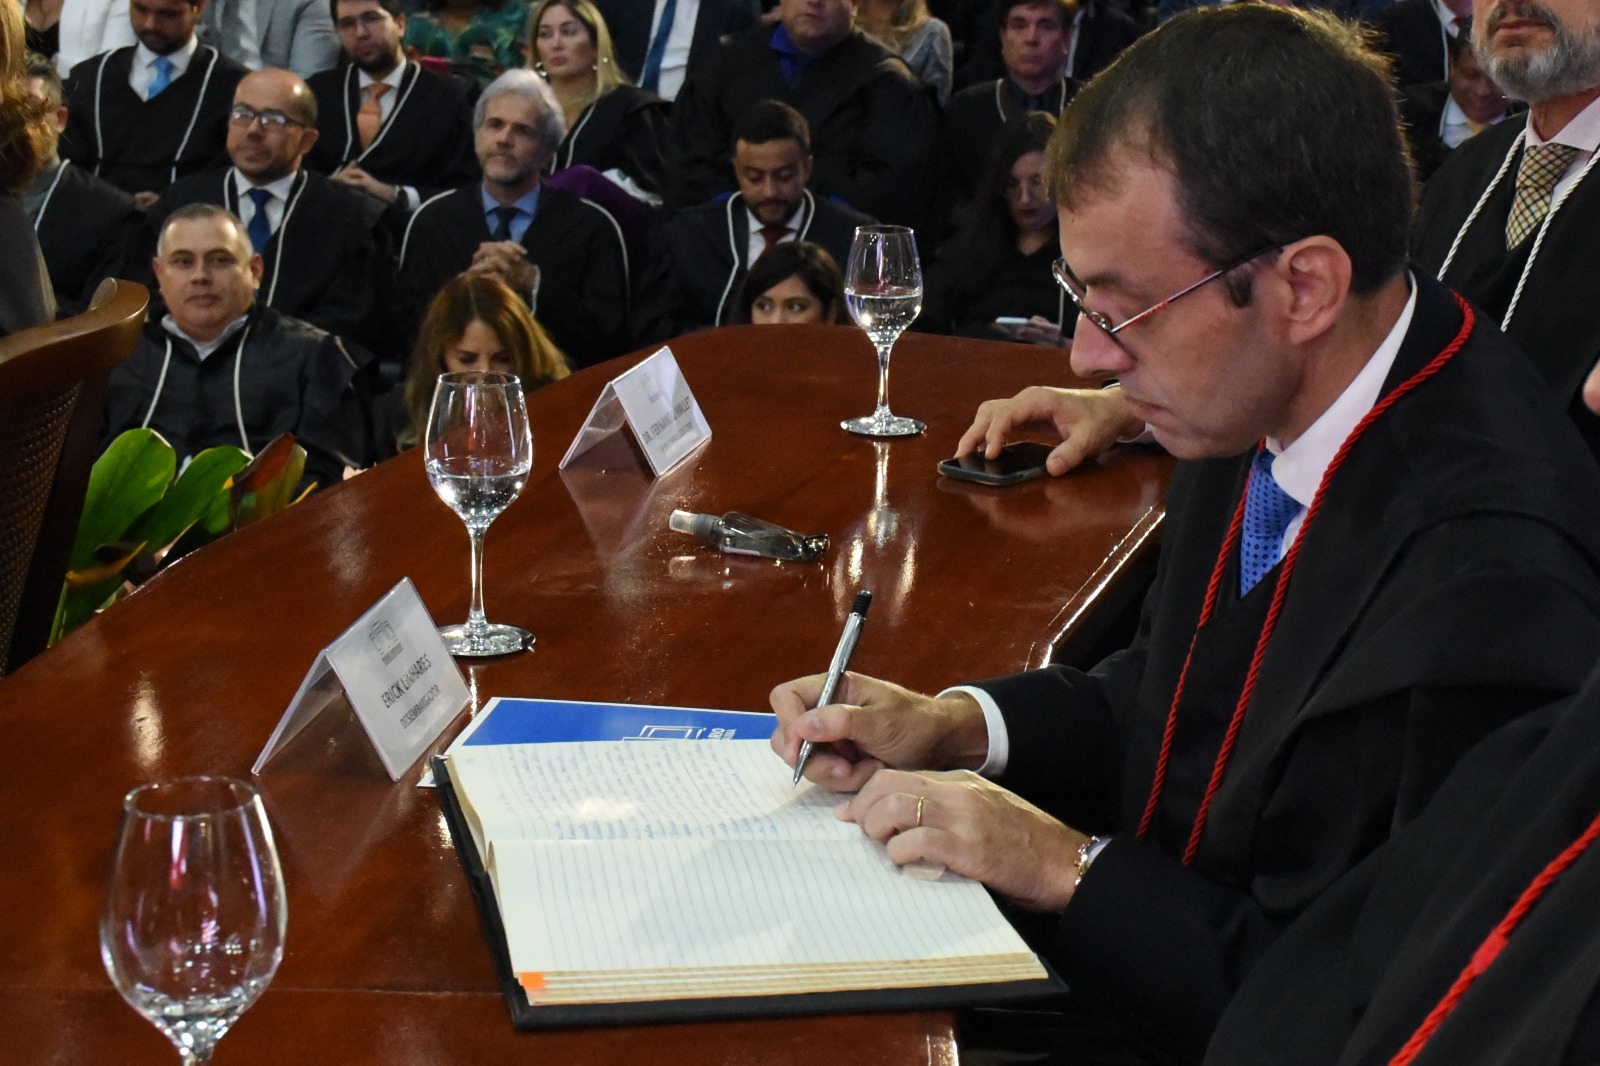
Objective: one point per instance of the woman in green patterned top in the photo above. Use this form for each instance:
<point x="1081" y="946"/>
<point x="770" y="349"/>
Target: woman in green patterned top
<point x="478" y="37"/>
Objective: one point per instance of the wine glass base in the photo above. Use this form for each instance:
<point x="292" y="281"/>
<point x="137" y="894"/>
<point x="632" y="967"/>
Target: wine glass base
<point x="491" y="641"/>
<point x="890" y="426"/>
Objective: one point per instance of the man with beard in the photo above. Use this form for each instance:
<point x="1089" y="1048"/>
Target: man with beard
<point x="699" y="259"/>
<point x="145" y="116"/>
<point x="565" y="255"/>
<point x="1510" y="219"/>
<point x="326" y="258"/>
<point x="386" y="124"/>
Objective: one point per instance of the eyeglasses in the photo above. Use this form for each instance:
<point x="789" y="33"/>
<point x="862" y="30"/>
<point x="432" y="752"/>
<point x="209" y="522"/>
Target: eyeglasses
<point x="1076" y="291"/>
<point x="368" y="20"/>
<point x="243" y="115"/>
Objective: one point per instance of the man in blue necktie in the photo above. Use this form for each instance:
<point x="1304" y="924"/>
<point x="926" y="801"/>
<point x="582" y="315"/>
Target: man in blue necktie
<point x="1380" y="545"/>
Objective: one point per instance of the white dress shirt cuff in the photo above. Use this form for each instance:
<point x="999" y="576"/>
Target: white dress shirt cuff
<point x="994" y="764"/>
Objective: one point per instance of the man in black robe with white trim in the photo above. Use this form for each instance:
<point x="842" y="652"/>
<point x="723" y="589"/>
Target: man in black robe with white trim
<point x="1381" y="544"/>
<point x="1536" y="278"/>
<point x="388" y="125"/>
<point x="145" y="116"/>
<point x="220" y="368"/>
<point x="327" y="259"/>
<point x="564" y="254"/>
<point x="699" y="258"/>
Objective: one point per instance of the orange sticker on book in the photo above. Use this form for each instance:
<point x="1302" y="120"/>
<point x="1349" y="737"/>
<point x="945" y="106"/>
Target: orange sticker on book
<point x="531" y="982"/>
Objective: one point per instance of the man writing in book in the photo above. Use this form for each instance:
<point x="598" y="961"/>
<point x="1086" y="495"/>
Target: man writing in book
<point x="1380" y="545"/>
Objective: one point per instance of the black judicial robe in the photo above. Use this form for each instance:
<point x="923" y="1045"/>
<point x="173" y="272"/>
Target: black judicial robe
<point x="25" y="298"/>
<point x="1355" y="976"/>
<point x="1410" y="31"/>
<point x="582" y="261"/>
<point x="295" y="378"/>
<point x="872" y="123"/>
<point x="330" y="263"/>
<point x="626" y="130"/>
<point x="83" y="223"/>
<point x="971" y="120"/>
<point x="967" y="292"/>
<point x="146" y="145"/>
<point x="1557" y="322"/>
<point x="1448" y="585"/>
<point x="1422" y="112"/>
<point x="426" y="142"/>
<point x="695" y="268"/>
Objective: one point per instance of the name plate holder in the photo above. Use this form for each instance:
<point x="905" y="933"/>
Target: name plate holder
<point x="393" y="667"/>
<point x="655" y="401"/>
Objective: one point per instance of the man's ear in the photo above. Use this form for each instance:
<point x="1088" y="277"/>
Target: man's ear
<point x="1316" y="272"/>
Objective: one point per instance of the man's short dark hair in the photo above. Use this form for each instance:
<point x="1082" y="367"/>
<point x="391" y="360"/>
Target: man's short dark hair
<point x="1276" y="124"/>
<point x="772" y="120"/>
<point x="1064" y="10"/>
<point x="38" y="66"/>
<point x="393" y="7"/>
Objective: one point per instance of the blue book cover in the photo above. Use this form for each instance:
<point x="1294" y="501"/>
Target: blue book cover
<point x="523" y="721"/>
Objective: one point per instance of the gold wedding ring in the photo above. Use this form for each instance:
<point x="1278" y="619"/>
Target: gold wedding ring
<point x="920" y="801"/>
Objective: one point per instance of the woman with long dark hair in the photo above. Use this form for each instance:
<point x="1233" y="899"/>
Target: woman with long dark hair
<point x="997" y="265"/>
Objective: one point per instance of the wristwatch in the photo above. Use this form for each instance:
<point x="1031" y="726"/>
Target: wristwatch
<point x="1088" y="851"/>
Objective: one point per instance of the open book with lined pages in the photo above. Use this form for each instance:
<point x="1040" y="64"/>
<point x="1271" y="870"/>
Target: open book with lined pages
<point x="653" y="881"/>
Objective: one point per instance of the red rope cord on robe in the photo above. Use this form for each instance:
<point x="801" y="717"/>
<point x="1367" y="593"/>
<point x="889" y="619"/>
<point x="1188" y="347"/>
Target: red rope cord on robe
<point x="1279" y="593"/>
<point x="1492" y="944"/>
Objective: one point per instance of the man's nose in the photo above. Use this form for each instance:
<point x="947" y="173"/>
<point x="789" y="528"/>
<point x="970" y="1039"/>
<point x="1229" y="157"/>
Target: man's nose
<point x="1096" y="355"/>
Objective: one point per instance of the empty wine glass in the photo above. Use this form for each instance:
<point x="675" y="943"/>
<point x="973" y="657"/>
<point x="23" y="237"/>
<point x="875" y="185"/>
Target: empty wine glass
<point x="194" y="917"/>
<point x="479" y="453"/>
<point x="883" y="289"/>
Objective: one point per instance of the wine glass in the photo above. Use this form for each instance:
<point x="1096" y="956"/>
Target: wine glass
<point x="194" y="917"/>
<point x="479" y="453"/>
<point x="883" y="289"/>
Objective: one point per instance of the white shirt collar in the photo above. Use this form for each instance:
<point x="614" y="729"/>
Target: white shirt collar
<point x="391" y="79"/>
<point x="1298" y="469"/>
<point x="1582" y="133"/>
<point x="279" y="189"/>
<point x="143" y="57"/>
<point x="203" y="349"/>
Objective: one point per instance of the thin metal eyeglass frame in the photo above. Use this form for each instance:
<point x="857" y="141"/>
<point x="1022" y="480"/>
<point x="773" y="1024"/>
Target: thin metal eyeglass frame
<point x="1066" y="279"/>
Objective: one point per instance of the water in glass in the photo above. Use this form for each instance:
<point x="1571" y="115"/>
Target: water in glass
<point x="883" y="290"/>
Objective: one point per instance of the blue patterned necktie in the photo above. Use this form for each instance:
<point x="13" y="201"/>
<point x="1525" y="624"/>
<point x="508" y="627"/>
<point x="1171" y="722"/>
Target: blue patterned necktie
<point x="502" y="231"/>
<point x="260" y="228"/>
<point x="1268" y="510"/>
<point x="162" y="79"/>
<point x="658" y="48"/>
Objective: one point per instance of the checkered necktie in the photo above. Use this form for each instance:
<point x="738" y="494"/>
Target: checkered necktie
<point x="1537" y="177"/>
<point x="1268" y="510"/>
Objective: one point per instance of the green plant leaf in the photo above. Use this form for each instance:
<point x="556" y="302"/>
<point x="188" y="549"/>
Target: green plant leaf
<point x="200" y="490"/>
<point x="108" y="562"/>
<point x="267" y="485"/>
<point x="124" y="483"/>
<point x="78" y="605"/>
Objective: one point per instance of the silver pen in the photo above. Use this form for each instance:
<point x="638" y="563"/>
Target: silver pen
<point x="836" y="668"/>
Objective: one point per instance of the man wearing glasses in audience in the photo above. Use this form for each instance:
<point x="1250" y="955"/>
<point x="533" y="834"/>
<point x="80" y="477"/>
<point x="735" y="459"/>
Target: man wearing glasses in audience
<point x="326" y="258"/>
<point x="1379" y="546"/>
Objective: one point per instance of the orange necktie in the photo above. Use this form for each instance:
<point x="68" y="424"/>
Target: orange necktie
<point x="370" y="117"/>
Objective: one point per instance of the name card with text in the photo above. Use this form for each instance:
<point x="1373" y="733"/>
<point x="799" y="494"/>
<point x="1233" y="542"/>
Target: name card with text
<point x="654" y="400"/>
<point x="394" y="668"/>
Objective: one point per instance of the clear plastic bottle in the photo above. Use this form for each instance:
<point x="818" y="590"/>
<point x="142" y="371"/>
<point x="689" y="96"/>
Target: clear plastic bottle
<point x="742" y="534"/>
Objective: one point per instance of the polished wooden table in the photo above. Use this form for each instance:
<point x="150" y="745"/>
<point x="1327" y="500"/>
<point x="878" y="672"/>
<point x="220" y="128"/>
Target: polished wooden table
<point x="385" y="961"/>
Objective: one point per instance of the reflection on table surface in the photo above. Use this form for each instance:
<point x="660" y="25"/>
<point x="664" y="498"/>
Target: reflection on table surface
<point x="385" y="960"/>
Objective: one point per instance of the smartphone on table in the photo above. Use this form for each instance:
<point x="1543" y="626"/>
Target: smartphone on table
<point x="1018" y="462"/>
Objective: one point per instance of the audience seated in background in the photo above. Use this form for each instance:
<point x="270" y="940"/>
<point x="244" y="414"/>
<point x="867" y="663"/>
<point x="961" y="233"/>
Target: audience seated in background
<point x="1440" y="115"/>
<point x="295" y="35"/>
<point x="1094" y="32"/>
<point x="25" y="297"/>
<point x="1035" y="40"/>
<point x="1197" y="793"/>
<point x="145" y="116"/>
<point x="327" y="258"/>
<point x="797" y="282"/>
<point x="480" y="38"/>
<point x="82" y="221"/>
<point x="1417" y="33"/>
<point x="1532" y="273"/>
<point x="906" y="29"/>
<point x="659" y="57"/>
<point x="82" y="28"/>
<point x="699" y="257"/>
<point x="220" y="368"/>
<point x="475" y="323"/>
<point x="615" y="127"/>
<point x="564" y="255"/>
<point x="998" y="262"/>
<point x="386" y="125"/>
<point x="872" y="123"/>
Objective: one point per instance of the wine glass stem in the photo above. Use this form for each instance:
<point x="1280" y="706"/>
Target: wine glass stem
<point x="477" y="623"/>
<point x="196" y="1057"/>
<point x="883" y="380"/>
